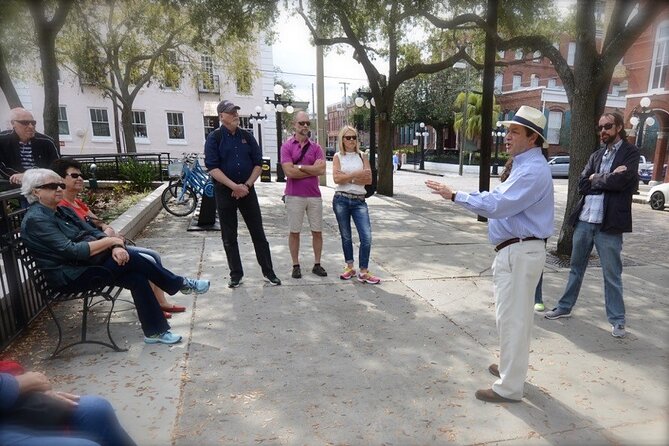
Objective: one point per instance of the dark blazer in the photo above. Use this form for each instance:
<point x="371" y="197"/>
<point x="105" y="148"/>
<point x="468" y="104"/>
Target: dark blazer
<point x="44" y="153"/>
<point x="617" y="188"/>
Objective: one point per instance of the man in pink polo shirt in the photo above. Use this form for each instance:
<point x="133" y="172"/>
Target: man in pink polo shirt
<point x="303" y="161"/>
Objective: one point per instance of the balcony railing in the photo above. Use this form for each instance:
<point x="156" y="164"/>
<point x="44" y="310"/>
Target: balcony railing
<point x="209" y="84"/>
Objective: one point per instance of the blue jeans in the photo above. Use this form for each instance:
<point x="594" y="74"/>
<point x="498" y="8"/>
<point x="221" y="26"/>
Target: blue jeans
<point x="609" y="247"/>
<point x="93" y="423"/>
<point x="147" y="253"/>
<point x="346" y="208"/>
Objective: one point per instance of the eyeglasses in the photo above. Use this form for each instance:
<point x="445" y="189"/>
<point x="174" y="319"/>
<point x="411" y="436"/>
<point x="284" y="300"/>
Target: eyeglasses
<point x="26" y="122"/>
<point x="51" y="186"/>
<point x="605" y="126"/>
<point x="76" y="175"/>
<point x="307" y="123"/>
<point x="350" y="137"/>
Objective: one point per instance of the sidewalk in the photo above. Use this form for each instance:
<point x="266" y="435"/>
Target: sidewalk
<point x="323" y="361"/>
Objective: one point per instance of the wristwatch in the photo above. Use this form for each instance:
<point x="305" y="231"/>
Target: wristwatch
<point x="299" y="167"/>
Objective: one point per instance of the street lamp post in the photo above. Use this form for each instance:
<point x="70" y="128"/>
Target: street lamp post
<point x="640" y="118"/>
<point x="279" y="105"/>
<point x="257" y="117"/>
<point x="498" y="134"/>
<point x="365" y="98"/>
<point x="423" y="135"/>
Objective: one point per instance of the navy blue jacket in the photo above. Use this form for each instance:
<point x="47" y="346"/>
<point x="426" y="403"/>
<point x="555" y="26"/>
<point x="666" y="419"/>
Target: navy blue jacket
<point x="617" y="188"/>
<point x="43" y="147"/>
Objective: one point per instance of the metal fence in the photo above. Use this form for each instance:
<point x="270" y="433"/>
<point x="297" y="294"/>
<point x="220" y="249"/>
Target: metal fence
<point x="109" y="166"/>
<point x="19" y="303"/>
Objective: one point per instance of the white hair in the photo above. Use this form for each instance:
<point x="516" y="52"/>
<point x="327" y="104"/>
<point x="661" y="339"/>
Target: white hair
<point x="18" y="113"/>
<point x="32" y="178"/>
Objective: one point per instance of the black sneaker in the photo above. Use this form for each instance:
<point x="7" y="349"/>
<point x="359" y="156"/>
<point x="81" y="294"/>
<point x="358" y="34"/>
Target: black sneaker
<point x="272" y="279"/>
<point x="319" y="271"/>
<point x="234" y="283"/>
<point x="297" y="272"/>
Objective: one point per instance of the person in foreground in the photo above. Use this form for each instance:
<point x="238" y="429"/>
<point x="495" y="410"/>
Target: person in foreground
<point x="602" y="215"/>
<point x="70" y="170"/>
<point x="234" y="160"/>
<point x="521" y="219"/>
<point x="74" y="256"/>
<point x="33" y="414"/>
<point x="351" y="172"/>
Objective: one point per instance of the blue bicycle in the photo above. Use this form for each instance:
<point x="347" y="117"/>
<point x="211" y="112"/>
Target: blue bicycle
<point x="188" y="182"/>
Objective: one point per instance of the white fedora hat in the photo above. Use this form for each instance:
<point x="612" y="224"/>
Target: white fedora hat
<point x="528" y="117"/>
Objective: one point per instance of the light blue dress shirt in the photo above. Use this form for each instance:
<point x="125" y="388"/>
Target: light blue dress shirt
<point x="522" y="206"/>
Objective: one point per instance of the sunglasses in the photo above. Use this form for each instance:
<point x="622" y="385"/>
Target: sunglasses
<point x="51" y="186"/>
<point x="76" y="175"/>
<point x="350" y="137"/>
<point x="26" y="122"/>
<point x="605" y="127"/>
<point x="307" y="123"/>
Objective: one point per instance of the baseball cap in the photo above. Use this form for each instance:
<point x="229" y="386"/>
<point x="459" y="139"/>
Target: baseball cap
<point x="226" y="106"/>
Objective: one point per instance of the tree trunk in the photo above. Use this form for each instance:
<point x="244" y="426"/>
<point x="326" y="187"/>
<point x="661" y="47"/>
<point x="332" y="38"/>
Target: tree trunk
<point x="385" y="151"/>
<point x="6" y="84"/>
<point x="584" y="141"/>
<point x="128" y="130"/>
<point x="47" y="44"/>
<point x="439" y="130"/>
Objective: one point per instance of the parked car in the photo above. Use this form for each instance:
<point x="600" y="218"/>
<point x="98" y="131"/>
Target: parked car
<point x="329" y="153"/>
<point x="658" y="196"/>
<point x="559" y="166"/>
<point x="646" y="173"/>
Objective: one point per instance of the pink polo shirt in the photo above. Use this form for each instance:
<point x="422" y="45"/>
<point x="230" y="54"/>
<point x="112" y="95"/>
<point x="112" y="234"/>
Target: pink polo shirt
<point x="290" y="152"/>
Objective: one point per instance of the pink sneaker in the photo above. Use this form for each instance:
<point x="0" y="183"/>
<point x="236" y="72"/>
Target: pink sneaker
<point x="368" y="278"/>
<point x="347" y="274"/>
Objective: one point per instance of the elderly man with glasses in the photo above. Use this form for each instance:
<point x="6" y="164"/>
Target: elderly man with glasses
<point x="23" y="148"/>
<point x="303" y="161"/>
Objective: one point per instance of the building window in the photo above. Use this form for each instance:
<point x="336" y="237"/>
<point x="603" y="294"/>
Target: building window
<point x="660" y="67"/>
<point x="552" y="83"/>
<point x="244" y="83"/>
<point x="534" y="80"/>
<point x="500" y="54"/>
<point x="175" y="126"/>
<point x="554" y="127"/>
<point x="139" y="124"/>
<point x="100" y="122"/>
<point x="63" y="125"/>
<point x="517" y="81"/>
<point x="519" y="54"/>
<point x="536" y="57"/>
<point x="171" y="71"/>
<point x="210" y="124"/>
<point x="571" y="53"/>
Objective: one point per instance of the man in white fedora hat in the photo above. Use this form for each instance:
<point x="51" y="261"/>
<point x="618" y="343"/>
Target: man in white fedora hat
<point x="521" y="219"/>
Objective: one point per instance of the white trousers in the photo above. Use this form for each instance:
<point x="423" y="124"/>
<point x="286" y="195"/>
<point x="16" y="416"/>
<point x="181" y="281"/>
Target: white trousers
<point x="516" y="272"/>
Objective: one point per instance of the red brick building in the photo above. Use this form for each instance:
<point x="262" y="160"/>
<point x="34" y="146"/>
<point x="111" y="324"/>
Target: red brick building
<point x="647" y="65"/>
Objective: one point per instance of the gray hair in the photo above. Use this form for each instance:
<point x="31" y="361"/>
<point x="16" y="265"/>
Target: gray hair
<point x="32" y="178"/>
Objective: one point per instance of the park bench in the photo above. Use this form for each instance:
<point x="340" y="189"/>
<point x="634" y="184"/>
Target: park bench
<point x="90" y="298"/>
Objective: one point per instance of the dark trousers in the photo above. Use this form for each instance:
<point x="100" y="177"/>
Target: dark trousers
<point x="135" y="276"/>
<point x="227" y="213"/>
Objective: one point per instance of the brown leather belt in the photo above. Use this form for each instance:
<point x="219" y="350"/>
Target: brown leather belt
<point x="511" y="241"/>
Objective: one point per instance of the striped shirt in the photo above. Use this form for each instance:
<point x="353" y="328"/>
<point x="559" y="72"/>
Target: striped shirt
<point x="593" y="207"/>
<point x="26" y="153"/>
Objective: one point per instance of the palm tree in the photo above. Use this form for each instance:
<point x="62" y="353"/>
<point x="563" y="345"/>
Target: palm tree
<point x="473" y="124"/>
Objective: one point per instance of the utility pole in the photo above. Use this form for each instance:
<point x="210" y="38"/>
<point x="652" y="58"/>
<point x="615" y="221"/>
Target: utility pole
<point x="320" y="114"/>
<point x="345" y="103"/>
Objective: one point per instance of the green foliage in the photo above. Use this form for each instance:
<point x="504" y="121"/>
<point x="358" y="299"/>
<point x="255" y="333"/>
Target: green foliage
<point x="141" y="175"/>
<point x="474" y="113"/>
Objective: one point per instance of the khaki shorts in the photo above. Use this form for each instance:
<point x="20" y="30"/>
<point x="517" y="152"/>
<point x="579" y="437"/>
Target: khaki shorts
<point x="296" y="207"/>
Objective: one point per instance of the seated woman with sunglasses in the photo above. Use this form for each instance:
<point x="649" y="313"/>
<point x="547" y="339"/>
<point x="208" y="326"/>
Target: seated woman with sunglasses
<point x="75" y="256"/>
<point x="70" y="170"/>
<point x="351" y="172"/>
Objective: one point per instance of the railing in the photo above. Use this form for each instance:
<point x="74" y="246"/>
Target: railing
<point x="19" y="303"/>
<point x="108" y="165"/>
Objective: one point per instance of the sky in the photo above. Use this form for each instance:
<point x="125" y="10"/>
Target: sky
<point x="296" y="57"/>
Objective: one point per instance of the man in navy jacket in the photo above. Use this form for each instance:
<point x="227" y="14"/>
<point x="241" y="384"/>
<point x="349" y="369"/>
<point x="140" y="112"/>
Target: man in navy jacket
<point x="602" y="215"/>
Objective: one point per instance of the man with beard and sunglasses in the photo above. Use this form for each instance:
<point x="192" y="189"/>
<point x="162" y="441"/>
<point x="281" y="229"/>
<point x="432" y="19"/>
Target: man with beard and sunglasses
<point x="602" y="215"/>
<point x="23" y="148"/>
